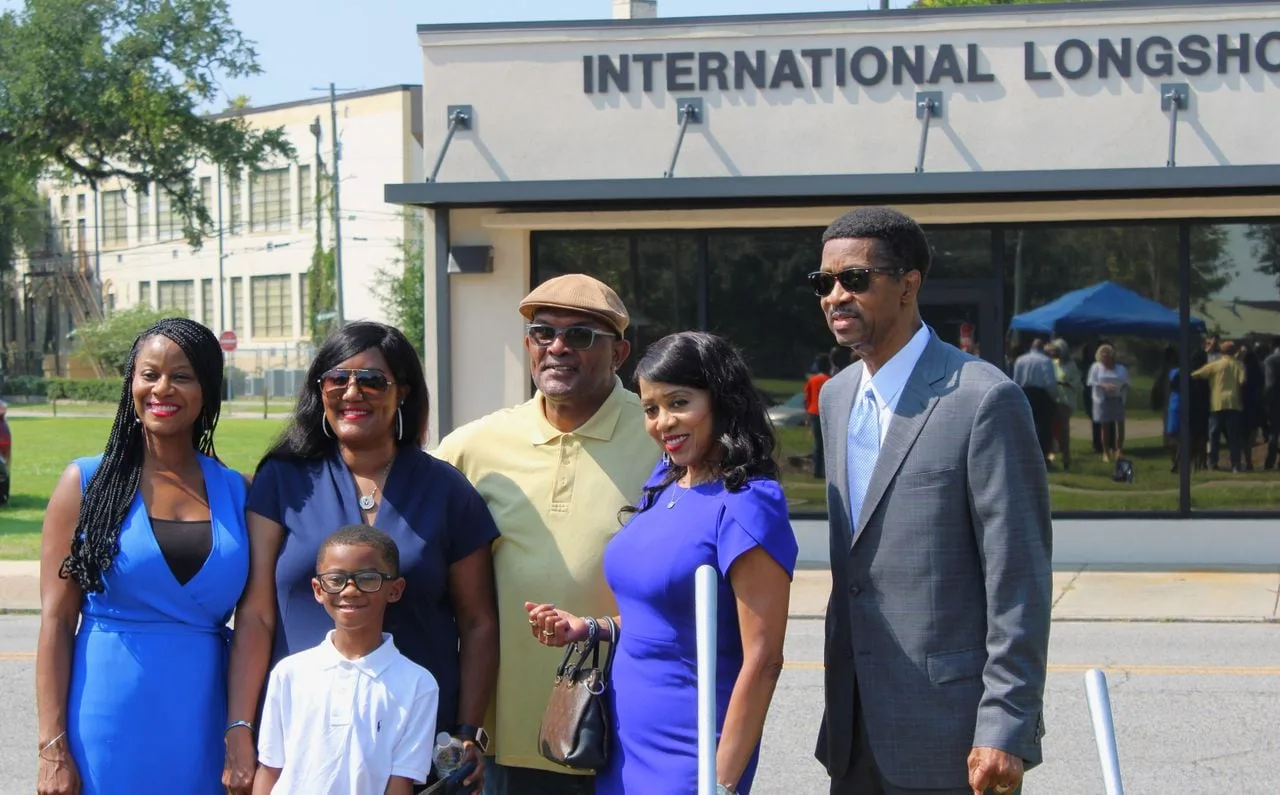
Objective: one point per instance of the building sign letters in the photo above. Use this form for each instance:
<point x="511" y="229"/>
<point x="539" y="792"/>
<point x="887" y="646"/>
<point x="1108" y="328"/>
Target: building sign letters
<point x="1072" y="59"/>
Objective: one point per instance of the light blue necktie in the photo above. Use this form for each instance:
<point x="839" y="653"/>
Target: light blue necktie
<point x="863" y="450"/>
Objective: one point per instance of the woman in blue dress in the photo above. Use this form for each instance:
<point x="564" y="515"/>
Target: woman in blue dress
<point x="144" y="546"/>
<point x="713" y="499"/>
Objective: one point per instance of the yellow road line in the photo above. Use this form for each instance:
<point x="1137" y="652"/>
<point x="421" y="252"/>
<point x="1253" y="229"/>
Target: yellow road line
<point x="1150" y="670"/>
<point x="1062" y="668"/>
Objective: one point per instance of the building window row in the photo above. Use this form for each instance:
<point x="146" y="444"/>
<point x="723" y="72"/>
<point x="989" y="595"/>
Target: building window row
<point x="271" y="302"/>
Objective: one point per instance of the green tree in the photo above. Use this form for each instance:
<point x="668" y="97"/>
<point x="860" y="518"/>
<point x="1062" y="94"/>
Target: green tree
<point x="111" y="89"/>
<point x="107" y="342"/>
<point x="1265" y="240"/>
<point x="322" y="293"/>
<point x="401" y="290"/>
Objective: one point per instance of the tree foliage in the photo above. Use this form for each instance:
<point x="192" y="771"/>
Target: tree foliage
<point x="322" y="294"/>
<point x="111" y="89"/>
<point x="401" y="293"/>
<point x="109" y="341"/>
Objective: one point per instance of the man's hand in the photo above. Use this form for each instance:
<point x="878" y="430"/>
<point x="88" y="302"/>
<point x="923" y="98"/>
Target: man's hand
<point x="994" y="770"/>
<point x="241" y="762"/>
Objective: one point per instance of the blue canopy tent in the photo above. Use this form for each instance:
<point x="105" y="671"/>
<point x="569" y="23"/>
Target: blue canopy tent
<point x="1103" y="309"/>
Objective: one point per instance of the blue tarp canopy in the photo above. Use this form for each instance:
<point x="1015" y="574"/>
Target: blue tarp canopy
<point x="1104" y="309"/>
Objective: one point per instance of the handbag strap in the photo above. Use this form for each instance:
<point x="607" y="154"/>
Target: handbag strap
<point x="614" y="632"/>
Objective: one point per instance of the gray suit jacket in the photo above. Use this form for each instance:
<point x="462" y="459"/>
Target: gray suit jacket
<point x="939" y="610"/>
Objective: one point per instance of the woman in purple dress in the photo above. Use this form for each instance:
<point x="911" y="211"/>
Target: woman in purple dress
<point x="713" y="499"/>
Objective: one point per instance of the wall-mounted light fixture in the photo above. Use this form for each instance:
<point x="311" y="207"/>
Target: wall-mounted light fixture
<point x="928" y="106"/>
<point x="1174" y="97"/>
<point x="688" y="111"/>
<point x="457" y="117"/>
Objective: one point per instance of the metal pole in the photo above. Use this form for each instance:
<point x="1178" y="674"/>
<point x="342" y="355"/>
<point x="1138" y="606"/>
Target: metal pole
<point x="337" y="207"/>
<point x="686" y="113"/>
<point x="1175" y="103"/>
<point x="924" y="134"/>
<point x="315" y="129"/>
<point x="222" y="306"/>
<point x="455" y="120"/>
<point x="1104" y="733"/>
<point x="706" y="580"/>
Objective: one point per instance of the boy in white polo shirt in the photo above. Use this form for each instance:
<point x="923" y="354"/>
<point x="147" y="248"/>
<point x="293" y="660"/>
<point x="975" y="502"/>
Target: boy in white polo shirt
<point x="351" y="716"/>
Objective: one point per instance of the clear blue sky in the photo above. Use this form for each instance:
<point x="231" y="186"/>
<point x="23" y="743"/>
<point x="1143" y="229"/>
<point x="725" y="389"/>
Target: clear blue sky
<point x="359" y="45"/>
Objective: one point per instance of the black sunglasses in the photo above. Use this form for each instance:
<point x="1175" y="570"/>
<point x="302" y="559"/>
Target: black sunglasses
<point x="334" y="582"/>
<point x="338" y="379"/>
<point x="577" y="337"/>
<point x="854" y="280"/>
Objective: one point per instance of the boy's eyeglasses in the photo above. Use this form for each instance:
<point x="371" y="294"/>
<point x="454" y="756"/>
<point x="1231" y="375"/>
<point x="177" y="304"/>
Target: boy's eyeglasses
<point x="335" y="582"/>
<point x="854" y="280"/>
<point x="337" y="380"/>
<point x="578" y="338"/>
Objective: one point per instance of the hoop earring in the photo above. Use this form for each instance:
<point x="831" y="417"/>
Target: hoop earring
<point x="399" y="425"/>
<point x="666" y="460"/>
<point x="324" y="427"/>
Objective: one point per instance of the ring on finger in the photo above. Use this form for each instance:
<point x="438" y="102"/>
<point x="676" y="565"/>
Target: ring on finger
<point x="548" y="633"/>
<point x="533" y="623"/>
<point x="1001" y="789"/>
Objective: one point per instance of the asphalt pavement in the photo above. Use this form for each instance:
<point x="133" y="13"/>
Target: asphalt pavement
<point x="1196" y="707"/>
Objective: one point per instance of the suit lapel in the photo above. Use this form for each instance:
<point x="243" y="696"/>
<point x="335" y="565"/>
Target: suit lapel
<point x="914" y="407"/>
<point x="838" y="439"/>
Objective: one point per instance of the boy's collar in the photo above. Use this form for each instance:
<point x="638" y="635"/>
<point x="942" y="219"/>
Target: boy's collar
<point x="372" y="664"/>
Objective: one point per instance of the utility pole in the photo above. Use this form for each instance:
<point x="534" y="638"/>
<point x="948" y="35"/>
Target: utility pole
<point x="337" y="204"/>
<point x="319" y="168"/>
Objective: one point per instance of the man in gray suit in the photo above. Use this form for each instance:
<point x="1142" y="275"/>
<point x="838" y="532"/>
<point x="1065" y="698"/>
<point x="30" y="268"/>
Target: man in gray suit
<point x="938" y="624"/>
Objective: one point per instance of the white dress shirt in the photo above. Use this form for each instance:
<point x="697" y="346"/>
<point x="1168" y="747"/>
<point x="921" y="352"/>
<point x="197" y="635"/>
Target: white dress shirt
<point x="888" y="382"/>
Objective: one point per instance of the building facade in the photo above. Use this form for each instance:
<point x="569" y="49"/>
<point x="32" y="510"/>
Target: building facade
<point x="692" y="163"/>
<point x="117" y="248"/>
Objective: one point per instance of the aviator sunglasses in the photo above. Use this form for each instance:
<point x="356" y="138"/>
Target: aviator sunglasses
<point x="854" y="280"/>
<point x="334" y="582"/>
<point x="338" y="379"/>
<point x="578" y="338"/>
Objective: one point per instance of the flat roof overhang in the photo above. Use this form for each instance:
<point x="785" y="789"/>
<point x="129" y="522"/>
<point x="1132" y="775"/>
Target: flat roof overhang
<point x="842" y="189"/>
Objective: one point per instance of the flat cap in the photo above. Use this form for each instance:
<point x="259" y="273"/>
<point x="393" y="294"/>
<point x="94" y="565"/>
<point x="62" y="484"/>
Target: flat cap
<point x="578" y="292"/>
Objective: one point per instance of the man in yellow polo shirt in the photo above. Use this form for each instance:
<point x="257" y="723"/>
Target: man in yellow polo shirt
<point x="554" y="472"/>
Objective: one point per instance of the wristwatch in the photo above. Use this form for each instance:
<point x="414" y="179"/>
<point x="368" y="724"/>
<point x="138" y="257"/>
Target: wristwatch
<point x="475" y="734"/>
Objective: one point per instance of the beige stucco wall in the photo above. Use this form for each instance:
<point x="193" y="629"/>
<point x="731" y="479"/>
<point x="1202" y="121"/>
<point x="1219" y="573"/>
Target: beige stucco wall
<point x="533" y="119"/>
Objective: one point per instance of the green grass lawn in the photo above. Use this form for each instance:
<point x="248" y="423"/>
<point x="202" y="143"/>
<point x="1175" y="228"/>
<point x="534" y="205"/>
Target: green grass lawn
<point x="42" y="448"/>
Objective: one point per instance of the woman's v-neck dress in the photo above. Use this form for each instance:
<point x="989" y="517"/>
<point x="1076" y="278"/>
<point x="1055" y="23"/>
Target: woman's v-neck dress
<point x="146" y="706"/>
<point x="650" y="566"/>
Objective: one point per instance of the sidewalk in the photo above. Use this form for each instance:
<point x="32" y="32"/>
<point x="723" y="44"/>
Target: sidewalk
<point x="1078" y="595"/>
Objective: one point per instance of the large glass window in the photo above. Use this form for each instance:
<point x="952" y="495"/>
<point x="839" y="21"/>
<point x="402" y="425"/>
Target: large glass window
<point x="115" y="219"/>
<point x="206" y="303"/>
<point x="655" y="275"/>
<point x="168" y="225"/>
<point x="272" y="306"/>
<point x="1103" y="301"/>
<point x="1234" y="417"/>
<point x="176" y="296"/>
<point x="269" y="200"/>
<point x="237" y="305"/>
<point x="758" y="298"/>
<point x="306" y="197"/>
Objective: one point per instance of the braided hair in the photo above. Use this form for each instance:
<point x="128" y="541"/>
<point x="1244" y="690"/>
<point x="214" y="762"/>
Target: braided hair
<point x="109" y="494"/>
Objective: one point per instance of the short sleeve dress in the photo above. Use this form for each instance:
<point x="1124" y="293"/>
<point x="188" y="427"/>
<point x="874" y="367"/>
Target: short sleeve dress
<point x="435" y="516"/>
<point x="650" y="566"/>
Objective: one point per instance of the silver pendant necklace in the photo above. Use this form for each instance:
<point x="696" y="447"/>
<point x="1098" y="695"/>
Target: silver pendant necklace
<point x="680" y="492"/>
<point x="366" y="501"/>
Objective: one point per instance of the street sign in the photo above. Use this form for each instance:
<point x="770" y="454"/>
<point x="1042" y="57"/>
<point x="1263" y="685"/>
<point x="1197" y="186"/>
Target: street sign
<point x="228" y="341"/>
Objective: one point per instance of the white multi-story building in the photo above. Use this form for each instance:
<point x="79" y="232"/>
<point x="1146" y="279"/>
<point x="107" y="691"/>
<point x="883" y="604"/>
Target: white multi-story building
<point x="130" y="248"/>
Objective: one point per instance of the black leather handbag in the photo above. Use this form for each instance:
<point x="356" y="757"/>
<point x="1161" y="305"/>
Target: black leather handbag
<point x="575" y="725"/>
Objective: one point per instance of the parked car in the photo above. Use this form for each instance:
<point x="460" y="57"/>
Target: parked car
<point x="790" y="414"/>
<point x="6" y="448"/>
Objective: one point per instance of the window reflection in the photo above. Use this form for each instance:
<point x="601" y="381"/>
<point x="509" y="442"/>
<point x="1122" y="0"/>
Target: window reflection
<point x="1076" y="293"/>
<point x="1235" y="414"/>
<point x="758" y="298"/>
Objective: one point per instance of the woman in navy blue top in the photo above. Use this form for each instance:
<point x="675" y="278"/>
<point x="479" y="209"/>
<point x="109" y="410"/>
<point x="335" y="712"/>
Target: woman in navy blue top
<point x="353" y="454"/>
